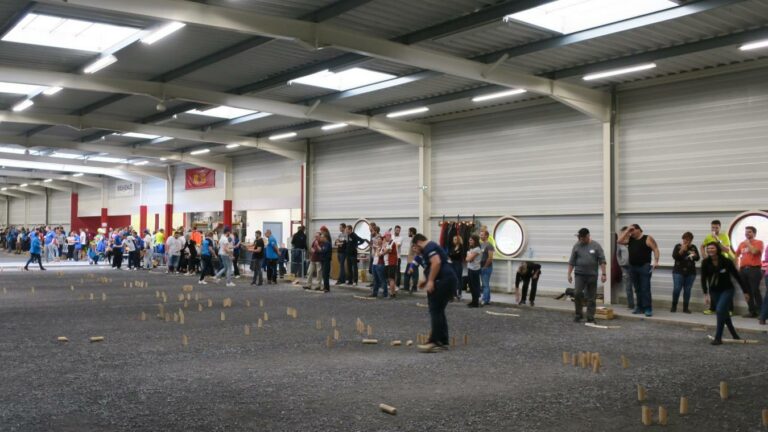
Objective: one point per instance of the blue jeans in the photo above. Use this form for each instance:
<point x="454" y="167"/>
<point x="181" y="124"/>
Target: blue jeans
<point x="485" y="277"/>
<point x="626" y="280"/>
<point x="641" y="279"/>
<point x="458" y="268"/>
<point x="379" y="279"/>
<point x="173" y="262"/>
<point x="342" y="265"/>
<point x="722" y="300"/>
<point x="411" y="281"/>
<point x="764" y="308"/>
<point x="682" y="283"/>
<point x="226" y="267"/>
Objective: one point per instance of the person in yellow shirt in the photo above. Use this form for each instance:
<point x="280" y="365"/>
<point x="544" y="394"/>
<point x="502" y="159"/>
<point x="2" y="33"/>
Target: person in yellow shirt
<point x="724" y="242"/>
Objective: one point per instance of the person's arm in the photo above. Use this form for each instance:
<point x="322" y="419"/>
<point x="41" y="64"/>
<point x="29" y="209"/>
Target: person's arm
<point x="536" y="272"/>
<point x="471" y="256"/>
<point x="570" y="273"/>
<point x="731" y="268"/>
<point x="655" y="247"/>
<point x="696" y="255"/>
<point x="434" y="269"/>
<point x="754" y="249"/>
<point x="602" y="261"/>
<point x="624" y="237"/>
<point x="489" y="261"/>
<point x="518" y="279"/>
<point x="705" y="275"/>
<point x="676" y="253"/>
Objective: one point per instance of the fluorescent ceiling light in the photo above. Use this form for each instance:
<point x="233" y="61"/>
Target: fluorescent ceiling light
<point x="224" y="112"/>
<point x="283" y="136"/>
<point x="19" y="151"/>
<point x="50" y="91"/>
<point x="67" y="33"/>
<point x="106" y="159"/>
<point x="162" y="32"/>
<point x="22" y="89"/>
<point x="497" y="95"/>
<point x="755" y="45"/>
<point x="621" y="71"/>
<point x="139" y="135"/>
<point x="407" y="112"/>
<point x="100" y="64"/>
<point x="47" y="180"/>
<point x="231" y="146"/>
<point x="5" y="189"/>
<point x="66" y="155"/>
<point x="163" y="159"/>
<point x="334" y="126"/>
<point x="140" y="163"/>
<point x="21" y="106"/>
<point x="344" y="80"/>
<point x="569" y="16"/>
<point x="77" y="175"/>
<point x="199" y="152"/>
<point x="23" y="185"/>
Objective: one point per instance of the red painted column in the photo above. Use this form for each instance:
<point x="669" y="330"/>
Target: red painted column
<point x="157" y="221"/>
<point x="74" y="222"/>
<point x="142" y="218"/>
<point x="228" y="213"/>
<point x="104" y="217"/>
<point x="168" y="219"/>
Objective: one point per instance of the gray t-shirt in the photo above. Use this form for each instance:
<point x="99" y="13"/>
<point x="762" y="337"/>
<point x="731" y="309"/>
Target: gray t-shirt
<point x="476" y="262"/>
<point x="488" y="250"/>
<point x="585" y="258"/>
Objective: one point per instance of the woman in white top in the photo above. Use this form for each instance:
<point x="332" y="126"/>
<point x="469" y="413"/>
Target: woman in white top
<point x="474" y="259"/>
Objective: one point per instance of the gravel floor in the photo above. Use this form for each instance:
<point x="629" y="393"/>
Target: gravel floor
<point x="282" y="377"/>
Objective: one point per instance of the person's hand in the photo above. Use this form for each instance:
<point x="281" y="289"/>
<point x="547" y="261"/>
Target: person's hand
<point x="603" y="278"/>
<point x="570" y="279"/>
<point x="655" y="264"/>
<point x="747" y="297"/>
<point x="706" y="299"/>
<point x="430" y="286"/>
<point x="422" y="284"/>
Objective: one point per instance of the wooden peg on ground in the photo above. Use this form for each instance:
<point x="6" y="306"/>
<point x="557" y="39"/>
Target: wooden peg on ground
<point x="333" y="322"/>
<point x="566" y="357"/>
<point x="175" y="317"/>
<point x="247" y="303"/>
<point x="266" y="317"/>
<point x="574" y="359"/>
<point x="596" y="365"/>
<point x="97" y="339"/>
<point x="223" y="316"/>
<point x="259" y="324"/>
<point x="647" y="416"/>
<point x="199" y="307"/>
<point x="180" y="297"/>
<point x="466" y="339"/>
<point x="453" y="341"/>
<point x="125" y="284"/>
<point x="640" y="393"/>
<point x="186" y="304"/>
<point x="624" y="362"/>
<point x="336" y="335"/>
<point x="663" y="416"/>
<point x="370" y="330"/>
<point x="328" y="342"/>
<point x="261" y="303"/>
<point x="247" y="330"/>
<point x="408" y="342"/>
<point x="143" y="316"/>
<point x="157" y="294"/>
<point x="168" y="317"/>
<point x="130" y="285"/>
<point x="91" y="296"/>
<point x="197" y="297"/>
<point x="370" y="341"/>
<point x="62" y="339"/>
<point x="210" y="303"/>
<point x="683" y="405"/>
<point x="395" y="343"/>
<point x="187" y="288"/>
<point x="103" y="297"/>
<point x="723" y="390"/>
<point x="318" y="324"/>
<point x="184" y="340"/>
<point x="189" y="296"/>
<point x="181" y="316"/>
<point x="388" y="409"/>
<point x="765" y="418"/>
<point x="71" y="288"/>
<point x="227" y="302"/>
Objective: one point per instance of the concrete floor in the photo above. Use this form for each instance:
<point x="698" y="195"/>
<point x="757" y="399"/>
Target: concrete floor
<point x="283" y="376"/>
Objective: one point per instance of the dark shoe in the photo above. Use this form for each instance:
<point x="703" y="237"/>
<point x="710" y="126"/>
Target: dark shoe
<point x="43" y="269"/>
<point x="475" y="305"/>
<point x="372" y="295"/>
<point x="648" y="312"/>
<point x="577" y="319"/>
<point x="674" y="309"/>
<point x="749" y="315"/>
<point x="717" y="342"/>
<point x="591" y="320"/>
<point x="531" y="304"/>
<point x="637" y="311"/>
<point x="327" y="291"/>
<point x="521" y="302"/>
<point x="762" y="322"/>
<point x="686" y="310"/>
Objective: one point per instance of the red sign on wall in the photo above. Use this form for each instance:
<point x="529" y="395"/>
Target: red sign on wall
<point x="200" y="178"/>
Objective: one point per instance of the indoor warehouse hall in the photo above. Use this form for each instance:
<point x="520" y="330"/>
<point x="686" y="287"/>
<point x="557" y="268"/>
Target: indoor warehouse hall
<point x="383" y="215"/>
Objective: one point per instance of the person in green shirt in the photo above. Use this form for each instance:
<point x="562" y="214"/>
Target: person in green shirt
<point x="724" y="242"/>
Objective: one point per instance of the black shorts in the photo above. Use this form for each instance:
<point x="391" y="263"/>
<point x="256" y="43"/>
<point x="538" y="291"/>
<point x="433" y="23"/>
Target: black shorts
<point x="390" y="271"/>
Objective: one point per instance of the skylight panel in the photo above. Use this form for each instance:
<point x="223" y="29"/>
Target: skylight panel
<point x="107" y="159"/>
<point x="57" y="32"/>
<point x="66" y="155"/>
<point x="139" y="135"/>
<point x="224" y="112"/>
<point x="22" y="89"/>
<point x="344" y="80"/>
<point x="569" y="16"/>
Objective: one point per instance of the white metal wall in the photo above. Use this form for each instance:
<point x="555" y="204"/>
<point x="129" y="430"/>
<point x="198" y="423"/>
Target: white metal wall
<point x="542" y="164"/>
<point x="88" y="201"/>
<point x="691" y="152"/>
<point x="58" y="208"/>
<point x="17" y="211"/>
<point x="3" y="214"/>
<point x="37" y="212"/>
<point x="366" y="175"/>
<point x="265" y="181"/>
<point x="198" y="200"/>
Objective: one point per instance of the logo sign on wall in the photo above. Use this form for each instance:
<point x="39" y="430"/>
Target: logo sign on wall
<point x="200" y="178"/>
<point x="124" y="189"/>
<point x="510" y="236"/>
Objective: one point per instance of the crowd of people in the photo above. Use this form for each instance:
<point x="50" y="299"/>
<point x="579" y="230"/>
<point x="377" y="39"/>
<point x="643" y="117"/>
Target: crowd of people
<point x="466" y="255"/>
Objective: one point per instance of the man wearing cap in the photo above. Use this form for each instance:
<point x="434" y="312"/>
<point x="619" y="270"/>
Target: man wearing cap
<point x="586" y="256"/>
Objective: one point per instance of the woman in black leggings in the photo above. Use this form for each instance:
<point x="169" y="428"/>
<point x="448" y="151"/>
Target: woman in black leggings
<point x="717" y="273"/>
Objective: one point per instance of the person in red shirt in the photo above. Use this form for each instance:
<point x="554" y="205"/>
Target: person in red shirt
<point x="389" y="253"/>
<point x="750" y="271"/>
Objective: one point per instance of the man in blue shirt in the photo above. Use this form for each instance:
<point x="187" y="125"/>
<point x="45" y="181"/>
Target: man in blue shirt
<point x="34" y="250"/>
<point x="440" y="284"/>
<point x="207" y="253"/>
<point x="50" y="246"/>
<point x="272" y="253"/>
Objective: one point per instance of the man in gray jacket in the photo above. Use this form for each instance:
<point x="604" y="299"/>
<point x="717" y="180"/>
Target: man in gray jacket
<point x="586" y="256"/>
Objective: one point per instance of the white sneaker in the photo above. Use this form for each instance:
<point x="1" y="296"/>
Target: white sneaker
<point x="202" y="282"/>
<point x="216" y="280"/>
<point x="237" y="277"/>
<point x="231" y="284"/>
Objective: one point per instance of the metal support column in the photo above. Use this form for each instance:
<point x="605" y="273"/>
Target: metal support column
<point x="609" y="211"/>
<point x="425" y="183"/>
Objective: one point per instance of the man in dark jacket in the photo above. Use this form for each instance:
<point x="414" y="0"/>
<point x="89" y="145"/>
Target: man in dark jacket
<point x="299" y="251"/>
<point x="353" y="242"/>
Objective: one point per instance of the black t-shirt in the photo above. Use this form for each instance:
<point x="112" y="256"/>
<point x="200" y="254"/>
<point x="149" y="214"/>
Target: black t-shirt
<point x="258" y="244"/>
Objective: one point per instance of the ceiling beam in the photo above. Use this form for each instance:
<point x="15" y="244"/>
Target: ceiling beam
<point x="322" y="14"/>
<point x="409" y="132"/>
<point x="125" y="172"/>
<point x="59" y="180"/>
<point x="591" y="102"/>
<point x="213" y="162"/>
<point x="28" y="190"/>
<point x="13" y="194"/>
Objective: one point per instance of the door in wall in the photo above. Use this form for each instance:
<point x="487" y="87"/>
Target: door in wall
<point x="277" y="231"/>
